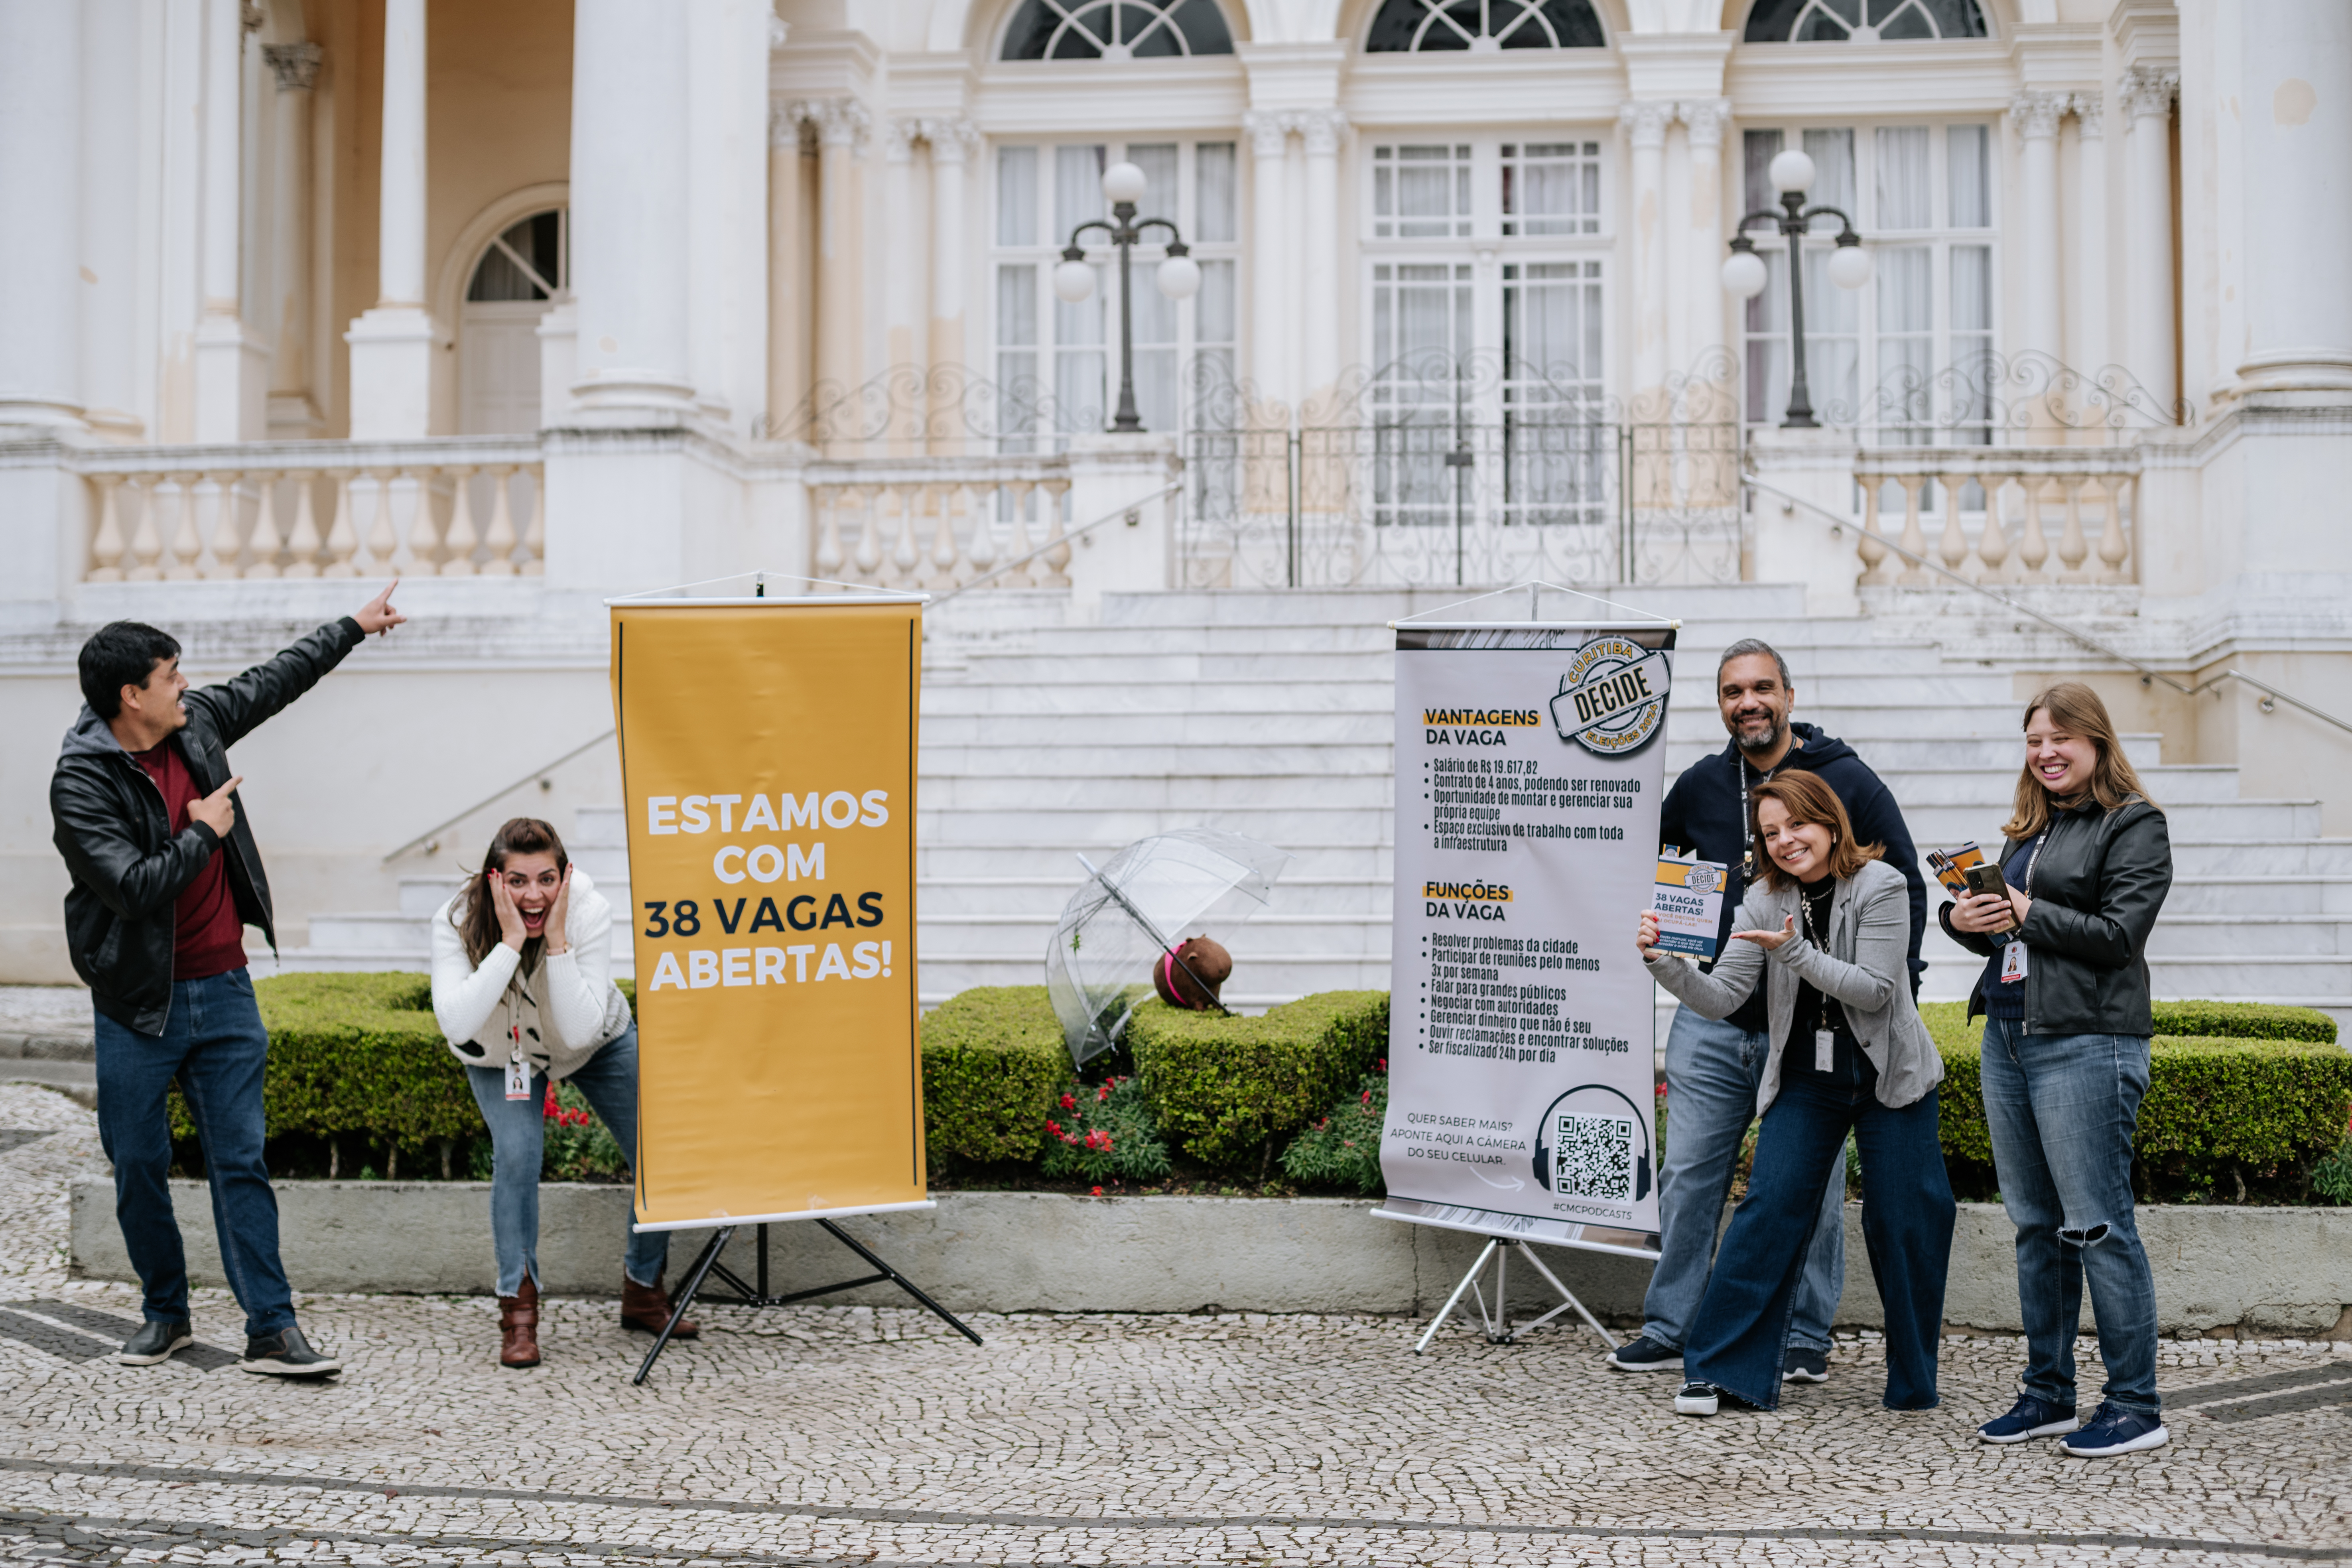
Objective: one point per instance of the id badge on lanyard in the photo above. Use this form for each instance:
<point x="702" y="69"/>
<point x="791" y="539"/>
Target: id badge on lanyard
<point x="518" y="1070"/>
<point x="2012" y="962"/>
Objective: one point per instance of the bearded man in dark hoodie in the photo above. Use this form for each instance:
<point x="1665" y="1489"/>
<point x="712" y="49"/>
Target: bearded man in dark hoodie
<point x="1713" y="1067"/>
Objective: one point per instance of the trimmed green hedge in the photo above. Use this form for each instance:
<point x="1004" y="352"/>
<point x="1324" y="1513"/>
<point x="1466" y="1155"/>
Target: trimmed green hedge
<point x="1228" y="1089"/>
<point x="2227" y="1098"/>
<point x="994" y="1061"/>
<point x="356" y="1053"/>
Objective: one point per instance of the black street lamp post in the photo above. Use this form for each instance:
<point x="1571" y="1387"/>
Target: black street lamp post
<point x="1178" y="275"/>
<point x="1792" y="174"/>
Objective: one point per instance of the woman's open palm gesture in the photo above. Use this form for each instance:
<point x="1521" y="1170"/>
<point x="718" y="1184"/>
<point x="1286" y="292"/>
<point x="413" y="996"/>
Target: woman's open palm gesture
<point x="1769" y="940"/>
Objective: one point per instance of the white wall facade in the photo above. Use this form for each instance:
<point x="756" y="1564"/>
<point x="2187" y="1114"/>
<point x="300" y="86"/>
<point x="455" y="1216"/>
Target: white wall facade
<point x="800" y="319"/>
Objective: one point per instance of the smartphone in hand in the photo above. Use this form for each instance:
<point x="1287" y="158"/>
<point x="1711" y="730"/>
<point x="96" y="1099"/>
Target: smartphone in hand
<point x="1987" y="878"/>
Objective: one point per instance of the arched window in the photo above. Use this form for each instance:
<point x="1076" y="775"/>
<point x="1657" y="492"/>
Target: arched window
<point x="1116" y="30"/>
<point x="1862" y="21"/>
<point x="520" y="273"/>
<point x="1412" y="27"/>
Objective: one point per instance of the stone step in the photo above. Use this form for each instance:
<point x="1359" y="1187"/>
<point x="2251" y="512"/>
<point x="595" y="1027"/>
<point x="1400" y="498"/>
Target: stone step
<point x="2309" y="895"/>
<point x="1026" y="937"/>
<point x="2221" y="936"/>
<point x="1722" y="601"/>
<point x="2260" y="856"/>
<point x="1020" y="853"/>
<point x="1807" y="646"/>
<point x="1045" y="897"/>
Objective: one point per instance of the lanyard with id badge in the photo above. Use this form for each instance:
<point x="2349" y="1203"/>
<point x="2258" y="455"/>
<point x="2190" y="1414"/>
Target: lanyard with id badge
<point x="1824" y="1037"/>
<point x="518" y="1068"/>
<point x="1987" y="880"/>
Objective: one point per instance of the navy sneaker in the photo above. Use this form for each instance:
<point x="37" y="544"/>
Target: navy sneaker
<point x="155" y="1343"/>
<point x="2030" y="1417"/>
<point x="2112" y="1431"/>
<point x="1697" y="1399"/>
<point x="1805" y="1366"/>
<point x="1643" y="1353"/>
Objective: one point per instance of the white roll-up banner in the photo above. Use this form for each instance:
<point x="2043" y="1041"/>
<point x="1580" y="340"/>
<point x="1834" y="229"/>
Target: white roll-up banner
<point x="1530" y="761"/>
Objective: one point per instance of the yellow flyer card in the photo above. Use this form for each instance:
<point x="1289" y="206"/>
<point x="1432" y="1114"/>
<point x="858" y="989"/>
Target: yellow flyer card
<point x="1689" y="905"/>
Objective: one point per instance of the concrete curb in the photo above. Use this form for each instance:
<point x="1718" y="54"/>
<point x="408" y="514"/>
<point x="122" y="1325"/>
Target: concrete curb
<point x="2285" y="1270"/>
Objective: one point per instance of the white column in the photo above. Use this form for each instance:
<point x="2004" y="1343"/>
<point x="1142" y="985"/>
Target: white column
<point x="294" y="408"/>
<point x="40" y="193"/>
<point x="112" y="109"/>
<point x="2148" y="93"/>
<point x="630" y="212"/>
<point x="1701" y="305"/>
<point x="232" y="369"/>
<point x="2087" y="314"/>
<point x="902" y="253"/>
<point x="791" y="319"/>
<point x="952" y="142"/>
<point x="842" y="125"/>
<point x="1645" y="122"/>
<point x="2296" y="75"/>
<point x="2034" y="116"/>
<point x="1320" y="129"/>
<point x="1269" y="368"/>
<point x="392" y="342"/>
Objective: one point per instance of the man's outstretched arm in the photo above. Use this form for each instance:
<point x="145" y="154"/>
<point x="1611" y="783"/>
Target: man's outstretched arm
<point x="239" y="705"/>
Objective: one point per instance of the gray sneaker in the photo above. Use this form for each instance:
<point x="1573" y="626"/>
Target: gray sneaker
<point x="155" y="1343"/>
<point x="286" y="1353"/>
<point x="1805" y="1366"/>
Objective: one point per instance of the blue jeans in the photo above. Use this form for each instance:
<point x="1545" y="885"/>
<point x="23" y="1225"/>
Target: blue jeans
<point x="517" y="1139"/>
<point x="1712" y="1070"/>
<point x="1742" y="1331"/>
<point x="2061" y="1110"/>
<point x="214" y="1044"/>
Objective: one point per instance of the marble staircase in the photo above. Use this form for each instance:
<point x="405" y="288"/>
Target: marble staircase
<point x="1270" y="714"/>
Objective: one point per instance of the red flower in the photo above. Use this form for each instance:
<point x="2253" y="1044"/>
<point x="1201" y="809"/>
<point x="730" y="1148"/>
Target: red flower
<point x="1380" y="1066"/>
<point x="1097" y="1192"/>
<point x="1069" y="1103"/>
<point x="1368" y="1097"/>
<point x="1098" y="1139"/>
<point x="1102" y="1094"/>
<point x="1054" y="1127"/>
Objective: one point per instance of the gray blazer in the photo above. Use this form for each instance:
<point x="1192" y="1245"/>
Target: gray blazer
<point x="1864" y="968"/>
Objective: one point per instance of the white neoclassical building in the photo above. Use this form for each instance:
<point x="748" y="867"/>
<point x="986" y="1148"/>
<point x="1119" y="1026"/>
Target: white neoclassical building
<point x="535" y="302"/>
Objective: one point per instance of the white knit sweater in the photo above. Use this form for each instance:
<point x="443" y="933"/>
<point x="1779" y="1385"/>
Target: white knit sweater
<point x="560" y="1015"/>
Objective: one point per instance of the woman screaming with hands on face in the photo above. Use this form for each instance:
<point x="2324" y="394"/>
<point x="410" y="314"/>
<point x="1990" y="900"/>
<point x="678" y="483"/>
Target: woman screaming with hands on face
<point x="522" y="988"/>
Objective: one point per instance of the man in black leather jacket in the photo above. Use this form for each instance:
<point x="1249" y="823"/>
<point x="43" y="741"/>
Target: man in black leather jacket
<point x="165" y="878"/>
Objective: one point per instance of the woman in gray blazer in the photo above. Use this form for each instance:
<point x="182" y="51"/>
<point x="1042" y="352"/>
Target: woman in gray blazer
<point x="1825" y="932"/>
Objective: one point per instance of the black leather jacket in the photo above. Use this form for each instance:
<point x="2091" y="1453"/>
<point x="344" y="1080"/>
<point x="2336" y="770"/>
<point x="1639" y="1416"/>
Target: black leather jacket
<point x="127" y="866"/>
<point x="2102" y="878"/>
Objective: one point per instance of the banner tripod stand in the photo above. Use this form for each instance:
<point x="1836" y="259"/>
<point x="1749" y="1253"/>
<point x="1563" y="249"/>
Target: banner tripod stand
<point x="1498" y="1321"/>
<point x="705" y="1263"/>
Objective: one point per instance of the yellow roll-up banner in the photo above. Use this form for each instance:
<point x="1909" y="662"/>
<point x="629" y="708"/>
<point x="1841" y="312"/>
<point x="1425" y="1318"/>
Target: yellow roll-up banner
<point x="768" y="764"/>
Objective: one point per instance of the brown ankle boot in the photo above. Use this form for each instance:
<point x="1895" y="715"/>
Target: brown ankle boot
<point x="646" y="1308"/>
<point x="519" y="1326"/>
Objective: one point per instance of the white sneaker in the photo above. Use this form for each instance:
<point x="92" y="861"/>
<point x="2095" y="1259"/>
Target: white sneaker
<point x="1696" y="1399"/>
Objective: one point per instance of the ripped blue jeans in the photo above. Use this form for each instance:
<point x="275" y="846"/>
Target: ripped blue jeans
<point x="2061" y="1110"/>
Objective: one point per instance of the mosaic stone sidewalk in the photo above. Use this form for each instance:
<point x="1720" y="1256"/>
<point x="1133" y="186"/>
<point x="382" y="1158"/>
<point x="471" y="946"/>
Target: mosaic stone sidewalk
<point x="840" y="1436"/>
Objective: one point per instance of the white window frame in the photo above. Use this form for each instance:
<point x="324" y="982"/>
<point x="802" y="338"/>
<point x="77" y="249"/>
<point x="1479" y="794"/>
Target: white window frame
<point x="1046" y="253"/>
<point x="1943" y="426"/>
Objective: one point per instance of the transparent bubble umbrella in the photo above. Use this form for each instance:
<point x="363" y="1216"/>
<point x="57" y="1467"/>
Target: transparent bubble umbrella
<point x="1140" y="904"/>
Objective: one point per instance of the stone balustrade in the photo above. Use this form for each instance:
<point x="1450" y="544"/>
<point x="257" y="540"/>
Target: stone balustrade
<point x="2048" y="515"/>
<point x="935" y="523"/>
<point x="462" y="507"/>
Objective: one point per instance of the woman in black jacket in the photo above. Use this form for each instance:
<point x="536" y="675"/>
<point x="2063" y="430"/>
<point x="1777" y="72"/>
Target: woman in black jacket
<point x="2066" y="994"/>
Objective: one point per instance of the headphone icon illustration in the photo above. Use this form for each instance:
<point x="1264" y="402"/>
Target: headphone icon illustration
<point x="1640" y="1164"/>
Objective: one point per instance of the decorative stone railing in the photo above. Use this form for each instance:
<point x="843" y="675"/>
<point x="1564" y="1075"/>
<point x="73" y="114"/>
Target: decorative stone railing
<point x="2050" y="514"/>
<point x="938" y="523"/>
<point x="316" y="508"/>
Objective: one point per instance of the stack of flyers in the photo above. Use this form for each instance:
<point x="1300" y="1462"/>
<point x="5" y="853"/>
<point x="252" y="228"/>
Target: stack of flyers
<point x="1689" y="905"/>
<point x="1952" y="866"/>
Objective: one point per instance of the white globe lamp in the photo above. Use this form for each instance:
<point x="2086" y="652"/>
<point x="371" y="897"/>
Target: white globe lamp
<point x="1123" y="182"/>
<point x="1791" y="171"/>
<point x="1073" y="281"/>
<point x="1179" y="277"/>
<point x="1850" y="266"/>
<point x="1744" y="274"/>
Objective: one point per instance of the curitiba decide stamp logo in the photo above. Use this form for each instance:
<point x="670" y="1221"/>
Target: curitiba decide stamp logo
<point x="1612" y="701"/>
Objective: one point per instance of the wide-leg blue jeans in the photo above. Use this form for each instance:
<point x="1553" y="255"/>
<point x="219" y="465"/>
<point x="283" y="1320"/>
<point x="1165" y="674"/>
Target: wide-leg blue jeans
<point x="1713" y="1069"/>
<point x="518" y="1146"/>
<point x="2061" y="1110"/>
<point x="214" y="1044"/>
<point x="1741" y="1333"/>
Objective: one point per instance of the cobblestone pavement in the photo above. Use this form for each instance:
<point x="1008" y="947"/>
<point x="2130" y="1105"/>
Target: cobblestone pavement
<point x="840" y="1434"/>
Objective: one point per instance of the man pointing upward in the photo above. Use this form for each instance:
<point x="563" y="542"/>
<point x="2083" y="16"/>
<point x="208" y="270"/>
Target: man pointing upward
<point x="166" y="878"/>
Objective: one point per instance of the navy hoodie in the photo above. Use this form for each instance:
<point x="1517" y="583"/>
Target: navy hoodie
<point x="1705" y="811"/>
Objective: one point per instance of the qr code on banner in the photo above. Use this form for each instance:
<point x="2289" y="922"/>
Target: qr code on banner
<point x="1592" y="1157"/>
